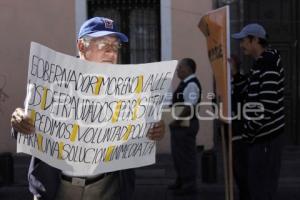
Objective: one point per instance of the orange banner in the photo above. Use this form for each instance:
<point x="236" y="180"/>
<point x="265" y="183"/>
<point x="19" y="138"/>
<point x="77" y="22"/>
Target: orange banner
<point x="215" y="26"/>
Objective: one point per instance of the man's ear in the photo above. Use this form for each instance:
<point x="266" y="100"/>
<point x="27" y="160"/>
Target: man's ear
<point x="81" y="47"/>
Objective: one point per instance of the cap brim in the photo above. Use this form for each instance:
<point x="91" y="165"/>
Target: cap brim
<point x="238" y="35"/>
<point x="121" y="36"/>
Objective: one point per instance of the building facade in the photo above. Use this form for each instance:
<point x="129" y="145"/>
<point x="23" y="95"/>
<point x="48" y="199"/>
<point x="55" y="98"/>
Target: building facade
<point x="158" y="30"/>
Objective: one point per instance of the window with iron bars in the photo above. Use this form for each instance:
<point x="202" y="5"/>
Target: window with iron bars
<point x="139" y="20"/>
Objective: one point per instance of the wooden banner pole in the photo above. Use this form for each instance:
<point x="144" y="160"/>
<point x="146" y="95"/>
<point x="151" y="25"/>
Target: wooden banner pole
<point x="230" y="163"/>
<point x="225" y="161"/>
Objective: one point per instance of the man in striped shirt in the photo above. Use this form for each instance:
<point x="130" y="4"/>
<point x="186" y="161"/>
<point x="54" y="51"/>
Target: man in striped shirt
<point x="258" y="143"/>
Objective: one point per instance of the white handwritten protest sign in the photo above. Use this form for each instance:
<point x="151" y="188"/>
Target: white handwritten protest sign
<point x="92" y="118"/>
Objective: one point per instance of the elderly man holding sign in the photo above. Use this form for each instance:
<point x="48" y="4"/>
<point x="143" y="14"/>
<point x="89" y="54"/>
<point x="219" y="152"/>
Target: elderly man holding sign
<point x="98" y="41"/>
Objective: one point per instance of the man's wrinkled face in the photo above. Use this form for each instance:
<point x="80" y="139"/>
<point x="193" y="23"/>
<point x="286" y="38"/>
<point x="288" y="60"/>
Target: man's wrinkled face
<point x="103" y="50"/>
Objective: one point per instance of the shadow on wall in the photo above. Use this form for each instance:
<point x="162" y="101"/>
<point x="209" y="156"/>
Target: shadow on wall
<point x="3" y="95"/>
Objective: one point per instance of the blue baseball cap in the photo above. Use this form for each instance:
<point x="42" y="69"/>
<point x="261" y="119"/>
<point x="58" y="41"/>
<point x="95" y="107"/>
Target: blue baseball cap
<point x="255" y="30"/>
<point x="99" y="27"/>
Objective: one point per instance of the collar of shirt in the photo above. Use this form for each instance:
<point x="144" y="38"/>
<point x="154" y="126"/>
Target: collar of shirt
<point x="189" y="78"/>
